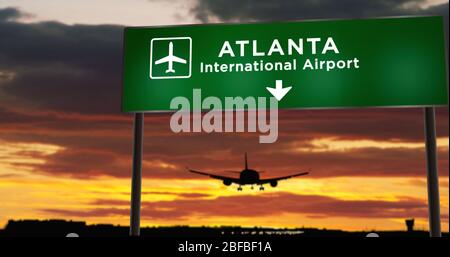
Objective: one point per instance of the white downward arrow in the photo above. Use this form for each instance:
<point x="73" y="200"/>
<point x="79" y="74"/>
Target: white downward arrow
<point x="279" y="92"/>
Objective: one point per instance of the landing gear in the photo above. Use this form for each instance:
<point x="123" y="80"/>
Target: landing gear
<point x="261" y="188"/>
<point x="251" y="187"/>
<point x="239" y="188"/>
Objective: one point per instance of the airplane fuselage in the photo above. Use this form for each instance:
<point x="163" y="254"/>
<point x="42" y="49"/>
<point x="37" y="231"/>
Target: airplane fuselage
<point x="170" y="62"/>
<point x="170" y="59"/>
<point x="249" y="177"/>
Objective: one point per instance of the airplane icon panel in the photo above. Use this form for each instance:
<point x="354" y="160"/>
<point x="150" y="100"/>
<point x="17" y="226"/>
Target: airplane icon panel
<point x="170" y="58"/>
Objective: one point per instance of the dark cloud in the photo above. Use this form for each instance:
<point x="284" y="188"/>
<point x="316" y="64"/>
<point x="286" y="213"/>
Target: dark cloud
<point x="166" y="157"/>
<point x="10" y="14"/>
<point x="262" y="205"/>
<point x="263" y="10"/>
<point x="59" y="67"/>
<point x="269" y="10"/>
<point x="16" y="121"/>
<point x="374" y="124"/>
<point x="80" y="163"/>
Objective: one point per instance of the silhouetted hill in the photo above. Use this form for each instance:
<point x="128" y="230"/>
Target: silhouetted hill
<point x="61" y="228"/>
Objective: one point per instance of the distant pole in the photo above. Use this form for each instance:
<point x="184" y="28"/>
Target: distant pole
<point x="434" y="216"/>
<point x="136" y="179"/>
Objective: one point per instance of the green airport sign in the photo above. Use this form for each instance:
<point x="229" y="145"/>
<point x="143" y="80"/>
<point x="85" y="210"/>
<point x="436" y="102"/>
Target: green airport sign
<point x="395" y="62"/>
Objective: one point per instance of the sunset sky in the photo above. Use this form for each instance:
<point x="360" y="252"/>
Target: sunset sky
<point x="65" y="146"/>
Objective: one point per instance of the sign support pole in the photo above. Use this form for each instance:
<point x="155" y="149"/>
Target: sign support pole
<point x="434" y="217"/>
<point x="136" y="180"/>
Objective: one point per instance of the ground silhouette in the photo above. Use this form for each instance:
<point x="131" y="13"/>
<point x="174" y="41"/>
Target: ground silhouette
<point x="60" y="228"/>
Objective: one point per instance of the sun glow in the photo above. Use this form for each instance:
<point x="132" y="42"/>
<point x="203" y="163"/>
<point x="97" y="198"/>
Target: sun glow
<point x="342" y="145"/>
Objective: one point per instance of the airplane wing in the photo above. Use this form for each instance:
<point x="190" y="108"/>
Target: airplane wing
<point x="233" y="180"/>
<point x="178" y="59"/>
<point x="268" y="180"/>
<point x="163" y="60"/>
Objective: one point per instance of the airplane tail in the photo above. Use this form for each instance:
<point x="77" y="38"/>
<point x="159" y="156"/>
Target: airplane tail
<point x="246" y="163"/>
<point x="170" y="71"/>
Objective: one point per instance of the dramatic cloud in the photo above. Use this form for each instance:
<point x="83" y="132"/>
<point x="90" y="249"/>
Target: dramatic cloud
<point x="268" y="10"/>
<point x="374" y="142"/>
<point x="249" y="10"/>
<point x="10" y="14"/>
<point x="259" y="206"/>
<point x="60" y="88"/>
<point x="60" y="67"/>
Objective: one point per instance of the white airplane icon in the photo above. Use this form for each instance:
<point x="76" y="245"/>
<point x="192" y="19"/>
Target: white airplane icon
<point x="170" y="59"/>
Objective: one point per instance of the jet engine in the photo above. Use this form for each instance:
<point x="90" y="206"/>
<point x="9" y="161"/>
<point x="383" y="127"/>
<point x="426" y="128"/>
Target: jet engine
<point x="273" y="183"/>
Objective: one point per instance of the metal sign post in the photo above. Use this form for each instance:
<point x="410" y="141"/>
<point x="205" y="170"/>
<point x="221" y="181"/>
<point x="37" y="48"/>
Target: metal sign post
<point x="434" y="217"/>
<point x="136" y="180"/>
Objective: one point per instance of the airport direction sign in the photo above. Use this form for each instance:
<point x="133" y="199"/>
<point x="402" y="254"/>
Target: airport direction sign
<point x="394" y="62"/>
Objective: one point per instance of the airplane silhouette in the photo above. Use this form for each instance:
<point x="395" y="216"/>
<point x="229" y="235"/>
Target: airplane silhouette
<point x="248" y="177"/>
<point x="170" y="59"/>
